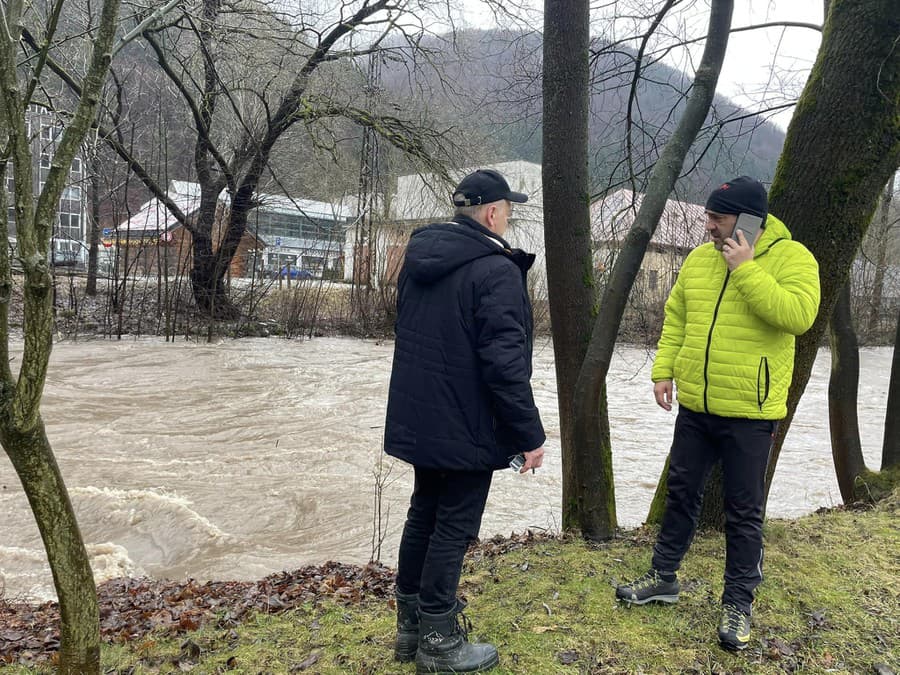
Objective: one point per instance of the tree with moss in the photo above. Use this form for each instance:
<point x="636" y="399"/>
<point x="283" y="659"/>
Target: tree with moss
<point x="583" y="346"/>
<point x="841" y="148"/>
<point x="22" y="430"/>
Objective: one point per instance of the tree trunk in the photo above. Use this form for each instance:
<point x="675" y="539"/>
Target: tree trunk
<point x="22" y="431"/>
<point x="841" y="147"/>
<point x="593" y="449"/>
<point x="843" y="395"/>
<point x="33" y="460"/>
<point x="567" y="227"/>
<point x="880" y="242"/>
<point x="890" y="452"/>
<point x="93" y="233"/>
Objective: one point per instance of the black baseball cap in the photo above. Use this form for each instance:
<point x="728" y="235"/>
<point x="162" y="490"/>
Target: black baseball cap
<point x="483" y="187"/>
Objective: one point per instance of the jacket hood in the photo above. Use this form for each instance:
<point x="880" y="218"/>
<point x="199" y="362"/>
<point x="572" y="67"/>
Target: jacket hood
<point x="436" y="250"/>
<point x="775" y="230"/>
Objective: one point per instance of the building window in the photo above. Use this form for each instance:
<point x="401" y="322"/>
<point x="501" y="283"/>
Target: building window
<point x="76" y="165"/>
<point x="46" y="132"/>
<point x="45" y="160"/>
<point x="72" y="192"/>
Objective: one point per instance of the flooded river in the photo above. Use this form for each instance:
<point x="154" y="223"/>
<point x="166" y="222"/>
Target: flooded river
<point x="238" y="459"/>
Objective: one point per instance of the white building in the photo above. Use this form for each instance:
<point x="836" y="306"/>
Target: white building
<point x="69" y="234"/>
<point x="422" y="199"/>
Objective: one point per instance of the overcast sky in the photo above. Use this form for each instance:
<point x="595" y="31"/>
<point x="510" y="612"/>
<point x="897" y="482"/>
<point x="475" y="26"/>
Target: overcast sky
<point x="748" y="76"/>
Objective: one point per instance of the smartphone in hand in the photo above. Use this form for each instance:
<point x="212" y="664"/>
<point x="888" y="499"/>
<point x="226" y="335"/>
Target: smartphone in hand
<point x="750" y="225"/>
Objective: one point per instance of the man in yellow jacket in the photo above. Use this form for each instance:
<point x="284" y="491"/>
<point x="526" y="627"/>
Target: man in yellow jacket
<point x="728" y="345"/>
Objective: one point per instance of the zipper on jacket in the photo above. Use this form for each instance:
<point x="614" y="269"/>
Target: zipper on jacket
<point x="712" y="326"/>
<point x="762" y="376"/>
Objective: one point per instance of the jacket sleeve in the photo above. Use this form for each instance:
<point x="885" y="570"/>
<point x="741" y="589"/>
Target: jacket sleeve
<point x="789" y="300"/>
<point x="672" y="334"/>
<point x="504" y="355"/>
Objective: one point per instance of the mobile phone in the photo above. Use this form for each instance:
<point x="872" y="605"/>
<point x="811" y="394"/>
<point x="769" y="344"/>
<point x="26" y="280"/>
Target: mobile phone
<point x="516" y="463"/>
<point x="749" y="225"/>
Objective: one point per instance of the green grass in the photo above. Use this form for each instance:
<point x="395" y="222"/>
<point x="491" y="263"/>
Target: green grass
<point x="830" y="603"/>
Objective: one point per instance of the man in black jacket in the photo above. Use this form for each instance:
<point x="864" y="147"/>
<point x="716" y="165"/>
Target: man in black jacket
<point x="460" y="406"/>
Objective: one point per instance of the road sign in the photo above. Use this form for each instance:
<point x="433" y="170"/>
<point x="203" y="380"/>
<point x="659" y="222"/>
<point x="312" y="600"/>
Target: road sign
<point x="107" y="231"/>
<point x="278" y="241"/>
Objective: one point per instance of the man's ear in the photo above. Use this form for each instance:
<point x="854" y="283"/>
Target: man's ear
<point x="490" y="213"/>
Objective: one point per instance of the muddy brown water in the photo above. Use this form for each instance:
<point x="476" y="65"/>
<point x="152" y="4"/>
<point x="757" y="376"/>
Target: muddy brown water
<point x="238" y="459"/>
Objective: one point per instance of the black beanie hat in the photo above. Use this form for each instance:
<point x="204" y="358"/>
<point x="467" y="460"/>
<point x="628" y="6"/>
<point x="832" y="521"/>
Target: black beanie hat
<point x="741" y="195"/>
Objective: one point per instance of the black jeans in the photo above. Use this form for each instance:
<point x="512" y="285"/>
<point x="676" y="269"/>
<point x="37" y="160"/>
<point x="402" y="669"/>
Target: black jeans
<point x="743" y="445"/>
<point x="444" y="518"/>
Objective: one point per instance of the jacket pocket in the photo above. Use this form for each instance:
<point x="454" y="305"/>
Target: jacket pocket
<point x="763" y="382"/>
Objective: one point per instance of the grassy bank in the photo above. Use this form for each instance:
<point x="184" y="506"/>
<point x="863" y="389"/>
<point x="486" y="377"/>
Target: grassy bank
<point x="830" y="603"/>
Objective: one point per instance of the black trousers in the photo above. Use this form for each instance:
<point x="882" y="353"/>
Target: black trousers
<point x="444" y="518"/>
<point x="743" y="445"/>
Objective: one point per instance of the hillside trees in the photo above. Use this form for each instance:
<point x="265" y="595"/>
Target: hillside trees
<point x="22" y="430"/>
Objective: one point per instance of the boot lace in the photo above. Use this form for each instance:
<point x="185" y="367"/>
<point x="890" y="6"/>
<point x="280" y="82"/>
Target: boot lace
<point x="648" y="580"/>
<point x="732" y="618"/>
<point x="463" y="625"/>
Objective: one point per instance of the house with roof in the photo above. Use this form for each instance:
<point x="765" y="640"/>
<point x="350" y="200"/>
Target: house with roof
<point x="420" y="199"/>
<point x="282" y="233"/>
<point x="681" y="228"/>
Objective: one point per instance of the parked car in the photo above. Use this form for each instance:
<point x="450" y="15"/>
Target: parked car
<point x="295" y="273"/>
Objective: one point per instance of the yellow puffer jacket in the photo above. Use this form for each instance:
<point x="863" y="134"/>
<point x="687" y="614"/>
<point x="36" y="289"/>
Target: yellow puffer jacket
<point x="728" y="338"/>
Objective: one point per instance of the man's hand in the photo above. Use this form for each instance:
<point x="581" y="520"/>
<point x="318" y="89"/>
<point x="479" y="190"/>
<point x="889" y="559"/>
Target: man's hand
<point x="737" y="252"/>
<point x="533" y="460"/>
<point x="662" y="390"/>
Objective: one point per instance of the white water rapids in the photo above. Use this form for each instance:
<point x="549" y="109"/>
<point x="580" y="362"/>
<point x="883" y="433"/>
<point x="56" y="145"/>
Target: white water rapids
<point x="238" y="459"/>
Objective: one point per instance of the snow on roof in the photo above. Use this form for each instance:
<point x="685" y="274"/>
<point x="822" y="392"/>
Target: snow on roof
<point x="681" y="224"/>
<point x="155" y="217"/>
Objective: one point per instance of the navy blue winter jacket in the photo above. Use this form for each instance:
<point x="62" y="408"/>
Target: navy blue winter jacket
<point x="460" y="394"/>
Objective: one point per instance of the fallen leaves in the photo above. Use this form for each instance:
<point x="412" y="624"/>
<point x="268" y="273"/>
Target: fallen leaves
<point x="131" y="609"/>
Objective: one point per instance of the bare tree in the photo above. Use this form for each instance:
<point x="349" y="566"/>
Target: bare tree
<point x="211" y="57"/>
<point x="875" y="248"/>
<point x="22" y="431"/>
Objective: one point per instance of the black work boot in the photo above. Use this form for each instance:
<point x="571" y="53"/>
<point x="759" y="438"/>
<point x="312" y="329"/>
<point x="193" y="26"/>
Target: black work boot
<point x="407" y="627"/>
<point x="444" y="645"/>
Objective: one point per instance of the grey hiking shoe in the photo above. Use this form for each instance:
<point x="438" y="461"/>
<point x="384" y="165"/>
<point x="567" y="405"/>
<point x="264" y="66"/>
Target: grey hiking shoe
<point x="648" y="588"/>
<point x="734" y="629"/>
